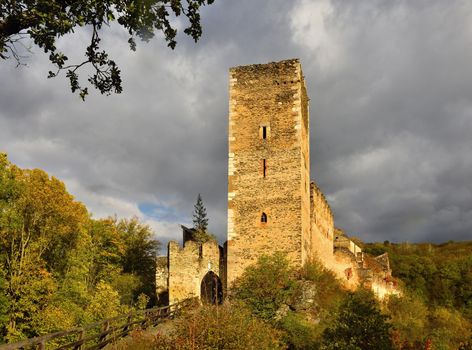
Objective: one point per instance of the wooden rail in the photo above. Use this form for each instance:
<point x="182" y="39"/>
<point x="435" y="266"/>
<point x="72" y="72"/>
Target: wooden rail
<point x="98" y="335"/>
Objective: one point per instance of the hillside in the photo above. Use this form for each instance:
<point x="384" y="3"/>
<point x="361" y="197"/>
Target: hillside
<point x="60" y="268"/>
<point x="440" y="274"/>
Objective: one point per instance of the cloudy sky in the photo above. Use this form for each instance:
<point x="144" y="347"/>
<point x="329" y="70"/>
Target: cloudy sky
<point x="391" y="115"/>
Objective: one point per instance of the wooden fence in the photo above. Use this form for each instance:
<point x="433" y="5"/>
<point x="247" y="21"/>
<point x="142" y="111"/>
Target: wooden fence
<point x="98" y="335"/>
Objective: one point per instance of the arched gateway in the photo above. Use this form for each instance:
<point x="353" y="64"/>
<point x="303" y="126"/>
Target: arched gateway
<point x="211" y="289"/>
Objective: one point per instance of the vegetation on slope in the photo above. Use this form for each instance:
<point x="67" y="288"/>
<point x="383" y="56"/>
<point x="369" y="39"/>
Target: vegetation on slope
<point x="309" y="309"/>
<point x="60" y="268"/>
<point x="312" y="310"/>
<point x="439" y="274"/>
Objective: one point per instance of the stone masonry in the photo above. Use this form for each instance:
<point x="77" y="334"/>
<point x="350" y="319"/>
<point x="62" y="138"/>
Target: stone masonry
<point x="272" y="204"/>
<point x="268" y="175"/>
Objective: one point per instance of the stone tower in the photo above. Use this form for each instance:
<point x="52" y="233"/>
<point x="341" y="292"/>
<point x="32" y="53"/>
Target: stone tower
<point x="268" y="166"/>
<point x="272" y="205"/>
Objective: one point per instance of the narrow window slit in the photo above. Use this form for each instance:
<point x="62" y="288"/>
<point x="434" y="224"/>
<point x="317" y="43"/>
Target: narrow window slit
<point x="264" y="218"/>
<point x="264" y="167"/>
<point x="264" y="132"/>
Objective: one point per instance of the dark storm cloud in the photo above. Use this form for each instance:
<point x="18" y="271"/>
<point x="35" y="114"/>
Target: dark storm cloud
<point x="393" y="119"/>
<point x="391" y="116"/>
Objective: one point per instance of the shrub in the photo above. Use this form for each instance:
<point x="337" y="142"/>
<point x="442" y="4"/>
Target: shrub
<point x="359" y="325"/>
<point x="448" y="328"/>
<point x="104" y="304"/>
<point x="228" y="326"/>
<point x="329" y="291"/>
<point x="409" y="317"/>
<point x="300" y="333"/>
<point x="265" y="286"/>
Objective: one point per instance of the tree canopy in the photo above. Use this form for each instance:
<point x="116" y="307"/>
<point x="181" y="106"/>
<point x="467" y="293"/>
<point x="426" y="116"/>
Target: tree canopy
<point x="440" y="274"/>
<point x="359" y="325"/>
<point x="45" y="21"/>
<point x="59" y="268"/>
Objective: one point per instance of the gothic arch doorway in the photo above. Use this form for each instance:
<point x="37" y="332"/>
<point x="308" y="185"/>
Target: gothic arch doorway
<point x="211" y="289"/>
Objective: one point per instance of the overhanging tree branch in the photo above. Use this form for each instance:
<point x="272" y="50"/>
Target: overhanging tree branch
<point x="44" y="21"/>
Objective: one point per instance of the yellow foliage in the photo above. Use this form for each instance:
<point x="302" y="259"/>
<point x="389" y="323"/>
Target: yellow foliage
<point x="409" y="316"/>
<point x="105" y="303"/>
<point x="448" y="328"/>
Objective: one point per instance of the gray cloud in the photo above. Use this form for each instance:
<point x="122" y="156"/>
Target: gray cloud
<point x="390" y="127"/>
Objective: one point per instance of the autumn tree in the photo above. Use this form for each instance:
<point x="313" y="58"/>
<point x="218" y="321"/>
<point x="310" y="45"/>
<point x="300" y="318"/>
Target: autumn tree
<point x="265" y="286"/>
<point x="359" y="325"/>
<point x="4" y="306"/>
<point x="59" y="268"/>
<point x="40" y="223"/>
<point x="139" y="255"/>
<point x="45" y="21"/>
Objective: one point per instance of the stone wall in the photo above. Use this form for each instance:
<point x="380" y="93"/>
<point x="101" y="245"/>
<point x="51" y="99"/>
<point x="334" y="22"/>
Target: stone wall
<point x="188" y="265"/>
<point x="344" y="242"/>
<point x="342" y="261"/>
<point x="162" y="280"/>
<point x="346" y="268"/>
<point x="379" y="276"/>
<point x="322" y="225"/>
<point x="267" y="175"/>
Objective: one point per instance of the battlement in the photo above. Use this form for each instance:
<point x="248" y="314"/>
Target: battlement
<point x="191" y="250"/>
<point x="189" y="264"/>
<point x="273" y="73"/>
<point x="260" y="68"/>
<point x="321" y="214"/>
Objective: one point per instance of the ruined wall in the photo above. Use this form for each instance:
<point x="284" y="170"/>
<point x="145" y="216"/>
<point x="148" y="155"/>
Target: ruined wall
<point x="344" y="242"/>
<point x="162" y="275"/>
<point x="322" y="227"/>
<point x="346" y="268"/>
<point x="382" y="288"/>
<point x="188" y="266"/>
<point x="331" y="247"/>
<point x="270" y="96"/>
<point x="378" y="276"/>
<point x="340" y="255"/>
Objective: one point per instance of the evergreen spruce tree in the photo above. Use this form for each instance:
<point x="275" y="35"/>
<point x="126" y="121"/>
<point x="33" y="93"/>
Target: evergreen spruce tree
<point x="200" y="221"/>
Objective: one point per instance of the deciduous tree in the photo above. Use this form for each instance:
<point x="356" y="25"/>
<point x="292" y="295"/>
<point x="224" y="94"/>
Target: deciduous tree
<point x="359" y="325"/>
<point x="266" y="285"/>
<point x="44" y="21"/>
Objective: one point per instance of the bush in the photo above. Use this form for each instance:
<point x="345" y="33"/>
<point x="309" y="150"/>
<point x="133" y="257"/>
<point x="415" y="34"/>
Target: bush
<point x="409" y="317"/>
<point x="448" y="328"/>
<point x="300" y="333"/>
<point x="104" y="304"/>
<point x="359" y="325"/>
<point x="228" y="326"/>
<point x="265" y="286"/>
<point x="329" y="290"/>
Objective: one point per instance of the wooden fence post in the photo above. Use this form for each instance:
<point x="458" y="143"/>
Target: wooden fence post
<point x="106" y="327"/>
<point x="81" y="336"/>
<point x="128" y="321"/>
<point x="147" y="319"/>
<point x="110" y="329"/>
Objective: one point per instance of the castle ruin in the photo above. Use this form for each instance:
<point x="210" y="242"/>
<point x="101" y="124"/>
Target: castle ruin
<point x="273" y="206"/>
